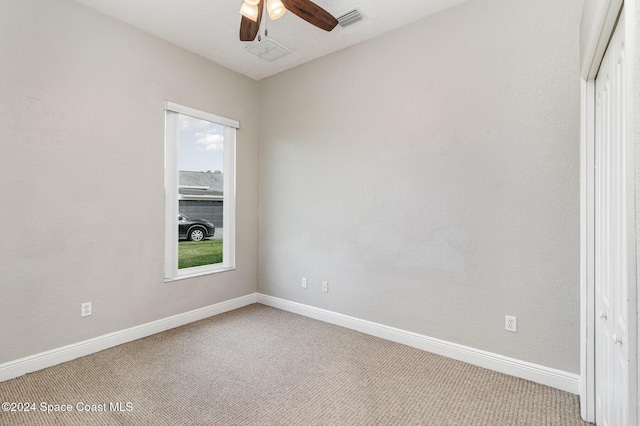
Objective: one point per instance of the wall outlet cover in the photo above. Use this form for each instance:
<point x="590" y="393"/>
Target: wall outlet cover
<point x="510" y="323"/>
<point x="85" y="309"/>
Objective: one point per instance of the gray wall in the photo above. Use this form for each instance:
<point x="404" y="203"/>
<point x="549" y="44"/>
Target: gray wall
<point x="460" y="130"/>
<point x="82" y="138"/>
<point x="586" y="24"/>
<point x="431" y="175"/>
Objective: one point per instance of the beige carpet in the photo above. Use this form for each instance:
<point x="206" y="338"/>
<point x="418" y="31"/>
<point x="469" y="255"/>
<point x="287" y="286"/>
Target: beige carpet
<point x="262" y="366"/>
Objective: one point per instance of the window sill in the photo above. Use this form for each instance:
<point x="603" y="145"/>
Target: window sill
<point x="199" y="274"/>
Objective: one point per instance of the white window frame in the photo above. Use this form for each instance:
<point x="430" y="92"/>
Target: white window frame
<point x="171" y="178"/>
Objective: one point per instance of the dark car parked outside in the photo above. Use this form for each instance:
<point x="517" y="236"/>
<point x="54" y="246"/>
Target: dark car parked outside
<point x="194" y="229"/>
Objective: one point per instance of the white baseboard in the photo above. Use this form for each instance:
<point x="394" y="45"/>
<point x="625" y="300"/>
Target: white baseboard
<point x="53" y="357"/>
<point x="547" y="376"/>
<point x="536" y="373"/>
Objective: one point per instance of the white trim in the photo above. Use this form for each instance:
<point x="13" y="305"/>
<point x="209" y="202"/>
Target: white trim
<point x="203" y="272"/>
<point x="170" y="188"/>
<point x="630" y="13"/>
<point x="203" y="115"/>
<point x="172" y="196"/>
<point x="525" y="370"/>
<point x="587" y="263"/>
<point x="12" y="369"/>
<point x="604" y="21"/>
<point x="229" y="205"/>
<point x="201" y="197"/>
<point x="203" y="188"/>
<point x="537" y="373"/>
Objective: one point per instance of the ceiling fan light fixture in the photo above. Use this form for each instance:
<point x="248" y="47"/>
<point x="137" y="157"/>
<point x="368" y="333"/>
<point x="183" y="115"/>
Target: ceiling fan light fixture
<point x="252" y="2"/>
<point x="275" y="8"/>
<point x="249" y="11"/>
<point x="305" y="9"/>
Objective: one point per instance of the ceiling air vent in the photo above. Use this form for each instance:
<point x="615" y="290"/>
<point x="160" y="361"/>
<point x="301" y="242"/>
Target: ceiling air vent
<point x="268" y="49"/>
<point x="350" y="17"/>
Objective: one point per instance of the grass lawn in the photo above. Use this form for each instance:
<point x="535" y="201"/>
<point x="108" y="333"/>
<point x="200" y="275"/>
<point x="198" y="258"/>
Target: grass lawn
<point x="198" y="253"/>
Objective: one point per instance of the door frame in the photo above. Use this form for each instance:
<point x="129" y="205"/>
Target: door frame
<point x="603" y="24"/>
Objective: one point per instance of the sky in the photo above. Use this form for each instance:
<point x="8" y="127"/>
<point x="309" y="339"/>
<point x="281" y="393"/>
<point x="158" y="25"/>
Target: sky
<point x="200" y="148"/>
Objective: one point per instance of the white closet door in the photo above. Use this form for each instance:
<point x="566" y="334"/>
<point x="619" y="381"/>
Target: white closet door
<point x="611" y="245"/>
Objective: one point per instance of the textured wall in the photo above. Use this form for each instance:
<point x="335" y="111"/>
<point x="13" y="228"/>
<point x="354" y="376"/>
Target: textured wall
<point x="431" y="176"/>
<point x="82" y="137"/>
<point x="586" y="24"/>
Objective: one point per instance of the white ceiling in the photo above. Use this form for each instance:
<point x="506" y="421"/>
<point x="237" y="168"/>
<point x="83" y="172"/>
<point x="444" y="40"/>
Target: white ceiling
<point x="210" y="28"/>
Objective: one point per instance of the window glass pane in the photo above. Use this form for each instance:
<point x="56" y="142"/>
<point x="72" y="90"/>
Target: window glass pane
<point x="200" y="192"/>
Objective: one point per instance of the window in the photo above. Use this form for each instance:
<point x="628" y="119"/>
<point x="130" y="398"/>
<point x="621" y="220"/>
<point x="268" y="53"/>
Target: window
<point x="199" y="192"/>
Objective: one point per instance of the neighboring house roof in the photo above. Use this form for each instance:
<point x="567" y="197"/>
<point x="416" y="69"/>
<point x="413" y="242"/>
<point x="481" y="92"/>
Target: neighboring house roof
<point x="200" y="183"/>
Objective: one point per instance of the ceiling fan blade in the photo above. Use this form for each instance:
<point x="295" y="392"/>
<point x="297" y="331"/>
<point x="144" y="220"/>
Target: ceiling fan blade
<point x="248" y="28"/>
<point x="312" y="13"/>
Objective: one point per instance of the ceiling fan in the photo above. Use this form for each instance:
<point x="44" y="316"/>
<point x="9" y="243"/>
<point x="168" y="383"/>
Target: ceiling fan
<point x="251" y="12"/>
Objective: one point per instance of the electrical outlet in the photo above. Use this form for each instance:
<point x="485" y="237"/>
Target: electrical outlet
<point x="325" y="287"/>
<point x="304" y="283"/>
<point x="510" y="323"/>
<point x="85" y="309"/>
